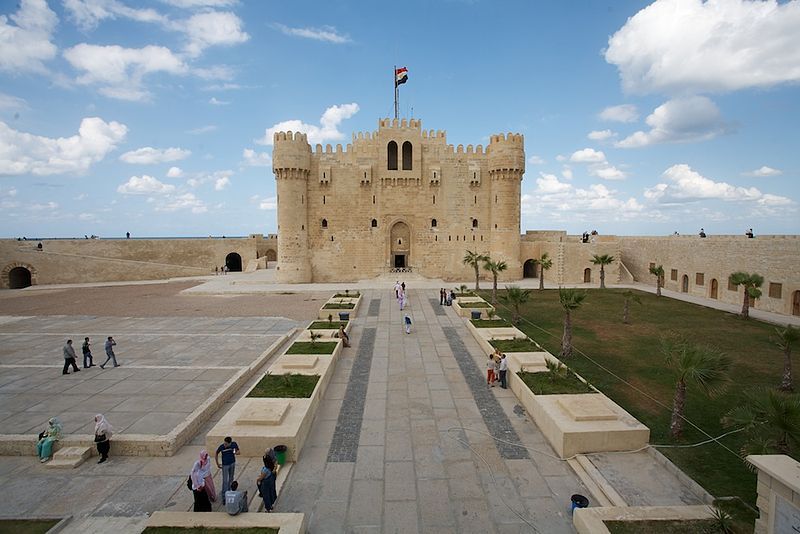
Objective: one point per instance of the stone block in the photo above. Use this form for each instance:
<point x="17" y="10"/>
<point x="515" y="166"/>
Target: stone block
<point x="300" y="361"/>
<point x="286" y="523"/>
<point x="70" y="457"/>
<point x="263" y="413"/>
<point x="586" y="408"/>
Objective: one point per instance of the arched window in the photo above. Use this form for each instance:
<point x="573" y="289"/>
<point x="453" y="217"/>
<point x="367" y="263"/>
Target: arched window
<point x="407" y="156"/>
<point x="374" y="223"/>
<point x="433" y="223"/>
<point x="392" y="152"/>
<point x="474" y="223"/>
<point x="324" y="223"/>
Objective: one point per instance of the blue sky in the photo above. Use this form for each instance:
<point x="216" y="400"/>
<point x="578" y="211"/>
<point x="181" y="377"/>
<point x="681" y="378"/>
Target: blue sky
<point x="639" y="118"/>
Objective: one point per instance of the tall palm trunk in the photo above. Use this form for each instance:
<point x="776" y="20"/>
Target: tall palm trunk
<point x="786" y="383"/>
<point x="541" y="278"/>
<point x="678" y="405"/>
<point x="746" y="304"/>
<point x="602" y="277"/>
<point x="658" y="287"/>
<point x="477" y="277"/>
<point x="566" y="340"/>
<point x="626" y="309"/>
<point x="783" y="444"/>
<point x="517" y="315"/>
<point x="494" y="288"/>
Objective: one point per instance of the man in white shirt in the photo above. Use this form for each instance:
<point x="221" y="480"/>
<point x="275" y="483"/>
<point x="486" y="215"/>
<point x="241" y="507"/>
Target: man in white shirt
<point x="503" y="371"/>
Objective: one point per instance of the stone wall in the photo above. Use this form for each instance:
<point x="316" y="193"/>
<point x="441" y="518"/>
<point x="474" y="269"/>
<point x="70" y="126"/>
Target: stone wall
<point x="570" y="257"/>
<point x="778" y="490"/>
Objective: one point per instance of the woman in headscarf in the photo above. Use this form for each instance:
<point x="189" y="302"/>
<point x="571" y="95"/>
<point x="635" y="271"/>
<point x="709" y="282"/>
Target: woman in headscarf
<point x="204" y="464"/>
<point x="102" y="436"/>
<point x="44" y="447"/>
<point x="201" y="500"/>
<point x="266" y="483"/>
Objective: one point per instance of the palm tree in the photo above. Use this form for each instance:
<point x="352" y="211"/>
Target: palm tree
<point x="571" y="299"/>
<point x="658" y="272"/>
<point x="602" y="261"/>
<point x="629" y="297"/>
<point x="704" y="367"/>
<point x="516" y="297"/>
<point x="787" y="337"/>
<point x="544" y="265"/>
<point x="772" y="419"/>
<point x="494" y="267"/>
<point x="752" y="283"/>
<point x="474" y="259"/>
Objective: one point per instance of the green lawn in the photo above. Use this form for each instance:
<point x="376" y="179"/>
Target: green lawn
<point x="474" y="304"/>
<point x="27" y="526"/>
<point x="339" y="306"/>
<point x="208" y="530"/>
<point x="515" y="345"/>
<point x="351" y="295"/>
<point x="547" y="384"/>
<point x="292" y="386"/>
<point x="307" y="347"/>
<point x="699" y="526"/>
<point x="632" y="352"/>
<point x="490" y="323"/>
<point x="325" y="325"/>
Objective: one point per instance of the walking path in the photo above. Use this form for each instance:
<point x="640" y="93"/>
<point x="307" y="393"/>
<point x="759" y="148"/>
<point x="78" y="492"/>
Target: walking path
<point x="404" y="440"/>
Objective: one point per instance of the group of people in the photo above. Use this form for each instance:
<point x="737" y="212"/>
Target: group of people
<point x="70" y="359"/>
<point x="201" y="481"/>
<point x="402" y="300"/>
<point x="221" y="270"/>
<point x="497" y="369"/>
<point x="446" y="298"/>
<point x="587" y="237"/>
<point x="55" y="430"/>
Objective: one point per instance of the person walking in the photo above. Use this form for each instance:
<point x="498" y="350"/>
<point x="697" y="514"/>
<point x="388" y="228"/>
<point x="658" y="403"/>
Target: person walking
<point x="87" y="353"/>
<point x="490" y="370"/>
<point x="44" y="447"/>
<point x="69" y="358"/>
<point x="397" y="289"/>
<point x="198" y="486"/>
<point x="503" y="371"/>
<point x="110" y="353"/>
<point x="407" y="322"/>
<point x="229" y="449"/>
<point x="442" y="296"/>
<point x="102" y="436"/>
<point x="266" y="483"/>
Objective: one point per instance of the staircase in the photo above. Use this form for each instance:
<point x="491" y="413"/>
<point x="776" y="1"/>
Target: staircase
<point x="69" y="457"/>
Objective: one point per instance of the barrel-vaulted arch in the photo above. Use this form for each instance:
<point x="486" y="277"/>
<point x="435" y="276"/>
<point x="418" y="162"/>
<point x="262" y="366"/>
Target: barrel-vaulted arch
<point x="17" y="275"/>
<point x="400" y="244"/>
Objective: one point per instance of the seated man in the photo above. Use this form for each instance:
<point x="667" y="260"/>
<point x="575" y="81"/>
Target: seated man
<point x="235" y="500"/>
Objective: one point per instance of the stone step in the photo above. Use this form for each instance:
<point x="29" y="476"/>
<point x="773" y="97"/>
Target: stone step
<point x="70" y="457"/>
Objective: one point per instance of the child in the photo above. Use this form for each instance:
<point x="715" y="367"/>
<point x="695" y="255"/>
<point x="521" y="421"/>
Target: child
<point x="407" y="321"/>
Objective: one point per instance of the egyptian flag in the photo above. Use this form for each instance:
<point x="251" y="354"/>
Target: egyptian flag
<point x="400" y="76"/>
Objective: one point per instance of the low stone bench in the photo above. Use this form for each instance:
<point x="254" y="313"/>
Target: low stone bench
<point x="591" y="520"/>
<point x="286" y="523"/>
<point x="70" y="457"/>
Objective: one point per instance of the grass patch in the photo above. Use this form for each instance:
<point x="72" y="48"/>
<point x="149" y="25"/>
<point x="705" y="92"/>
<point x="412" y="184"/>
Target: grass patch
<point x="209" y="530"/>
<point x="353" y="295"/>
<point x="307" y="347"/>
<point x="325" y="325"/>
<point x="545" y="383"/>
<point x="490" y="323"/>
<point x="339" y="306"/>
<point x="292" y="386"/>
<point x="696" y="526"/>
<point x="632" y="352"/>
<point x="27" y="526"/>
<point x="515" y="345"/>
<point x="477" y="304"/>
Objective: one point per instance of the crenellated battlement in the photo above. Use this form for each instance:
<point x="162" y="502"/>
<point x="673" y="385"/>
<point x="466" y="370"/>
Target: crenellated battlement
<point x="508" y="138"/>
<point x="414" y="124"/>
<point x="291" y="151"/>
<point x="507" y="153"/>
<point x="289" y="136"/>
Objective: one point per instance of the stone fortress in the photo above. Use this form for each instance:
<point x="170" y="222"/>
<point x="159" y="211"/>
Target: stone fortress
<point x="402" y="200"/>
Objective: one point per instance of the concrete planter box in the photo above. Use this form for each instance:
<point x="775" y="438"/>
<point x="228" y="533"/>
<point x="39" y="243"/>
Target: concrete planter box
<point x="327" y="333"/>
<point x="324" y="312"/>
<point x="591" y="520"/>
<point x="463" y="309"/>
<point x="483" y="335"/>
<point x="286" y="523"/>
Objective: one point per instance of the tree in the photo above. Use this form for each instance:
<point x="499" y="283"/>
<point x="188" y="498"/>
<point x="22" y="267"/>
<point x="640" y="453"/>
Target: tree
<point x="629" y="297"/>
<point x="516" y="296"/>
<point x="786" y="338"/>
<point x="544" y="265"/>
<point x="696" y="365"/>
<point x="658" y="272"/>
<point x="474" y="259"/>
<point x="602" y="261"/>
<point x="571" y="299"/>
<point x="771" y="419"/>
<point x="752" y="283"/>
<point x="494" y="267"/>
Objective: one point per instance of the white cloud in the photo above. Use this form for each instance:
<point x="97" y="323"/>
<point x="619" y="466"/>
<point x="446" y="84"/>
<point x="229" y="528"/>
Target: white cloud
<point x="186" y="201"/>
<point x="328" y="34"/>
<point x="607" y="172"/>
<point x="548" y="183"/>
<point x="601" y="135"/>
<point x="191" y="4"/>
<point x="679" y="46"/>
<point x="565" y="202"/>
<point x="47" y="206"/>
<point x="150" y="156"/>
<point x="256" y="159"/>
<point x="24" y="153"/>
<point x="202" y="129"/>
<point x="211" y="29"/>
<point x="561" y="158"/>
<point x="25" y="45"/>
<point x="587" y="155"/>
<point x="764" y="171"/>
<point x="326" y="132"/>
<point x="216" y="102"/>
<point x="174" y="172"/>
<point x="268" y="203"/>
<point x="686" y="185"/>
<point x="221" y="183"/>
<point x="144" y="185"/>
<point x="87" y="217"/>
<point x="680" y="120"/>
<point x="621" y="113"/>
<point x="536" y="160"/>
<point x="87" y="14"/>
<point x="119" y="71"/>
<point x="566" y="172"/>
<point x="218" y="177"/>
<point x="9" y="102"/>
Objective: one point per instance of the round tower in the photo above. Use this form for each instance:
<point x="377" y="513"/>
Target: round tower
<point x="506" y="154"/>
<point x="291" y="163"/>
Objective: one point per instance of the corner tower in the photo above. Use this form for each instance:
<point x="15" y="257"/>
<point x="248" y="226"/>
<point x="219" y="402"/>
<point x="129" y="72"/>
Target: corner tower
<point x="291" y="163"/>
<point x="506" y="167"/>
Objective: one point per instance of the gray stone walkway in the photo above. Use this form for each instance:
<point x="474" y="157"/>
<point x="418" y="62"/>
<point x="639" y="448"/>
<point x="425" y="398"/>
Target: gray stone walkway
<point x="411" y="473"/>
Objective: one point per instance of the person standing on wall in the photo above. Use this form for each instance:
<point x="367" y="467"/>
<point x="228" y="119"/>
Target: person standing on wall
<point x="229" y="449"/>
<point x="69" y="358"/>
<point x="87" y="353"/>
<point x="110" y="353"/>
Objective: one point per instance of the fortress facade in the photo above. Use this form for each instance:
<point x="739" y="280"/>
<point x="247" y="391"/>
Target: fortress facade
<point x="396" y="199"/>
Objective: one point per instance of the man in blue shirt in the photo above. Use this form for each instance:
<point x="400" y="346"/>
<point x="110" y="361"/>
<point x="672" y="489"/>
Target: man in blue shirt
<point x="229" y="449"/>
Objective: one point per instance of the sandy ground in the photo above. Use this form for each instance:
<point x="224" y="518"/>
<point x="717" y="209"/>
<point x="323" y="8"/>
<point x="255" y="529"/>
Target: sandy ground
<point x="156" y="300"/>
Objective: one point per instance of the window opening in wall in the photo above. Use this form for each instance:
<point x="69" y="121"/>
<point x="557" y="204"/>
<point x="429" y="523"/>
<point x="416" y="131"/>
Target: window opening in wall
<point x="436" y="238"/>
<point x="434" y="199"/>
<point x="699" y="279"/>
<point x="373" y="199"/>
<point x="495" y="226"/>
<point x="302" y="226"/>
<point x="473" y="237"/>
<point x="481" y="238"/>
<point x="324" y="223"/>
<point x="465" y="238"/>
<point x="323" y="199"/>
<point x="474" y="223"/>
<point x="475" y="176"/>
<point x="495" y="199"/>
<point x="407" y="159"/>
<point x="374" y="223"/>
<point x="433" y="223"/>
<point x="302" y="199"/>
<point x="775" y="290"/>
<point x="399" y="241"/>
<point x="475" y="201"/>
<point x="685" y="283"/>
<point x="673" y="275"/>
<point x="331" y="238"/>
<point x="449" y="238"/>
<point x="391" y="149"/>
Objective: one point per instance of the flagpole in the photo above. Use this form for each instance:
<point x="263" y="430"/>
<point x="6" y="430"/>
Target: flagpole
<point x="394" y="79"/>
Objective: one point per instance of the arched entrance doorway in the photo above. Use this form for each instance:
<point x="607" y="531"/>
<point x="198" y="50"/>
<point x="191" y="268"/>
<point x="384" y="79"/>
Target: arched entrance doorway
<point x="685" y="284"/>
<point x="714" y="288"/>
<point x="529" y="269"/>
<point x="400" y="245"/>
<point x="234" y="262"/>
<point x="19" y="277"/>
<point x="271" y="255"/>
<point x="796" y="303"/>
<point x="587" y="275"/>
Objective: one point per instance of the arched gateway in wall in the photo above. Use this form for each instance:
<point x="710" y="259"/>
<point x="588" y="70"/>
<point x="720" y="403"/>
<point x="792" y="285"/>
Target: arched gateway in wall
<point x="400" y="245"/>
<point x="17" y="276"/>
<point x="234" y="262"/>
<point x="529" y="269"/>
